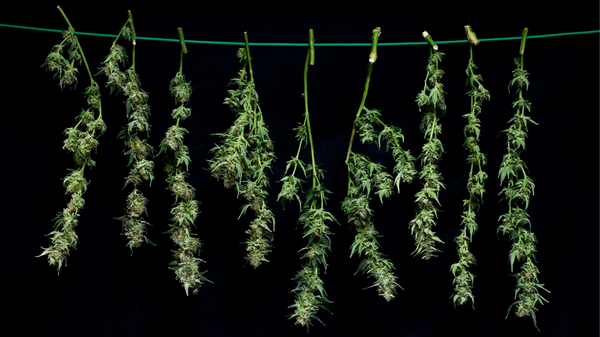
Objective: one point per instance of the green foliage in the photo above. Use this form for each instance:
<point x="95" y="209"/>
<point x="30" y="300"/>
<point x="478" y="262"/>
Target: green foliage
<point x="463" y="278"/>
<point x="310" y="293"/>
<point x="518" y="189"/>
<point x="81" y="141"/>
<point x="430" y="100"/>
<point x="366" y="177"/>
<point x="241" y="159"/>
<point x="137" y="148"/>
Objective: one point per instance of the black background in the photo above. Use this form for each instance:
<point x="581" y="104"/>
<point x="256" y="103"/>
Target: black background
<point x="104" y="291"/>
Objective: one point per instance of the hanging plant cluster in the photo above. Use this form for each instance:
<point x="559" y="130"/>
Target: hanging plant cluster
<point x="243" y="156"/>
<point x="463" y="278"/>
<point x="186" y="209"/>
<point x="430" y="100"/>
<point x="245" y="153"/>
<point x="81" y="141"/>
<point x="515" y="222"/>
<point x="138" y="112"/>
<point x="310" y="292"/>
<point x="364" y="177"/>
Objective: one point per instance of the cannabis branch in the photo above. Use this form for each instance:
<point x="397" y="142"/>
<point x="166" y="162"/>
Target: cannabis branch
<point x="81" y="141"/>
<point x="364" y="177"/>
<point x="185" y="211"/>
<point x="242" y="157"/>
<point x="138" y="112"/>
<point x="310" y="293"/>
<point x="430" y="100"/>
<point x="520" y="187"/>
<point x="463" y="278"/>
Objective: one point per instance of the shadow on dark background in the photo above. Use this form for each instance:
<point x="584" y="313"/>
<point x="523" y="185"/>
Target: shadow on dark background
<point x="104" y="291"/>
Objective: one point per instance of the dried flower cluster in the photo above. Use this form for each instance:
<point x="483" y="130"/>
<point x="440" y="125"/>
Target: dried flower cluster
<point x="430" y="100"/>
<point x="463" y="278"/>
<point x="81" y="141"/>
<point x="364" y="177"/>
<point x="242" y="157"/>
<point x="185" y="210"/>
<point x="310" y="292"/>
<point x="519" y="189"/>
<point x="138" y="112"/>
<point x="64" y="68"/>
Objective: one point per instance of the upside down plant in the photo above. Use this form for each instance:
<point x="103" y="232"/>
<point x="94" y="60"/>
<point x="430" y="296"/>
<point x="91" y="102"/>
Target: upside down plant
<point x="242" y="157"/>
<point x="519" y="189"/>
<point x="310" y="293"/>
<point x="185" y="210"/>
<point x="429" y="100"/>
<point x="366" y="177"/>
<point x="138" y="112"/>
<point x="463" y="278"/>
<point x="81" y="141"/>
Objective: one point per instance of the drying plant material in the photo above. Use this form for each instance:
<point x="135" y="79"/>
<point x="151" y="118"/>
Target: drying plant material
<point x="138" y="112"/>
<point x="430" y="100"/>
<point x="463" y="278"/>
<point x="366" y="177"/>
<point x="242" y="157"/>
<point x="310" y="293"/>
<point x="519" y="189"/>
<point x="185" y="210"/>
<point x="81" y="141"/>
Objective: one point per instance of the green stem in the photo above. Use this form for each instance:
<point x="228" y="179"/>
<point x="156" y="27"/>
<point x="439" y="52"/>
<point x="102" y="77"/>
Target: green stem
<point x="133" y="39"/>
<point x="360" y="109"/>
<point x="372" y="59"/>
<point x="523" y="40"/>
<point x="248" y="57"/>
<point x="181" y="63"/>
<point x="374" y="38"/>
<point x="471" y="36"/>
<point x="470" y="61"/>
<point x="183" y="48"/>
<point x="310" y="140"/>
<point x="119" y="35"/>
<point x="65" y="16"/>
<point x="311" y="46"/>
<point x="132" y="27"/>
<point x="133" y="58"/>
<point x="434" y="123"/>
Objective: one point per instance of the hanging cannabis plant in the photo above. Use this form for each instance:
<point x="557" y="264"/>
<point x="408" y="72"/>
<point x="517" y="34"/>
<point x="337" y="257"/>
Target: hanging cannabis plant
<point x="81" y="141"/>
<point x="430" y="100"/>
<point x="242" y="157"/>
<point x="310" y="293"/>
<point x="138" y="112"/>
<point x="463" y="278"/>
<point x="519" y="189"/>
<point x="185" y="210"/>
<point x="366" y="177"/>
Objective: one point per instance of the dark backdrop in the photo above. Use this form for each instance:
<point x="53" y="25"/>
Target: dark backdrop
<point x="105" y="291"/>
